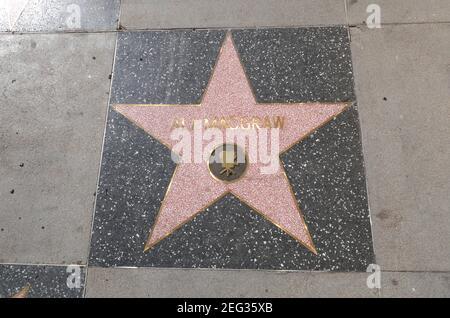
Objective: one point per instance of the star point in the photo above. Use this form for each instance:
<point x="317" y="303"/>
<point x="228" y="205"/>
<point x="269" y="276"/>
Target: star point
<point x="23" y="293"/>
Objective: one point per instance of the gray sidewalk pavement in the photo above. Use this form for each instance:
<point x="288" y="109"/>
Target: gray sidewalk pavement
<point x="53" y="105"/>
<point x="55" y="86"/>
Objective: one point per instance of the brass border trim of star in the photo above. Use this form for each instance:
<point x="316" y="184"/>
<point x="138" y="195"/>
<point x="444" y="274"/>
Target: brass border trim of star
<point x="311" y="248"/>
<point x="23" y="293"/>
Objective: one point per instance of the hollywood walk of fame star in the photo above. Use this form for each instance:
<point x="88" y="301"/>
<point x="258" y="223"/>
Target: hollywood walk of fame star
<point x="192" y="188"/>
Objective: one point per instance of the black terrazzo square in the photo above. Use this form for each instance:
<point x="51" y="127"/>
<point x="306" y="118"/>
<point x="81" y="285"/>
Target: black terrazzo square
<point x="326" y="170"/>
<point x="41" y="281"/>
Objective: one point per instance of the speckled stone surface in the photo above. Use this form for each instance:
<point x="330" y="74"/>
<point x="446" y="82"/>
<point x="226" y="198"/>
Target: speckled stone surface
<point x="164" y="67"/>
<point x="39" y="281"/>
<point x="292" y="65"/>
<point x="68" y="15"/>
<point x="326" y="170"/>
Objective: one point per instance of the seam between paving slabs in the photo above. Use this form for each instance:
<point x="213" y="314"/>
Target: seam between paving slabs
<point x="362" y="146"/>
<point x="222" y="28"/>
<point x="204" y="269"/>
<point x="42" y="264"/>
<point x="100" y="164"/>
<point x="101" y="153"/>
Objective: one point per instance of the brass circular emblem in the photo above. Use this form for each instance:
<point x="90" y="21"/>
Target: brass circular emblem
<point x="227" y="162"/>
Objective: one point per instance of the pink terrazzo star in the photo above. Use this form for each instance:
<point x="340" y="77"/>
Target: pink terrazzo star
<point x="192" y="188"/>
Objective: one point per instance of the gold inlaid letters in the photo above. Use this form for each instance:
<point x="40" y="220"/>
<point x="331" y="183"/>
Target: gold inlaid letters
<point x="233" y="122"/>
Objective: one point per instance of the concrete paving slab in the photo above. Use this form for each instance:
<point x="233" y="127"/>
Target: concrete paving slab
<point x="415" y="285"/>
<point x="146" y="282"/>
<point x="166" y="14"/>
<point x="67" y="15"/>
<point x="53" y="102"/>
<point x="402" y="81"/>
<point x="400" y="11"/>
